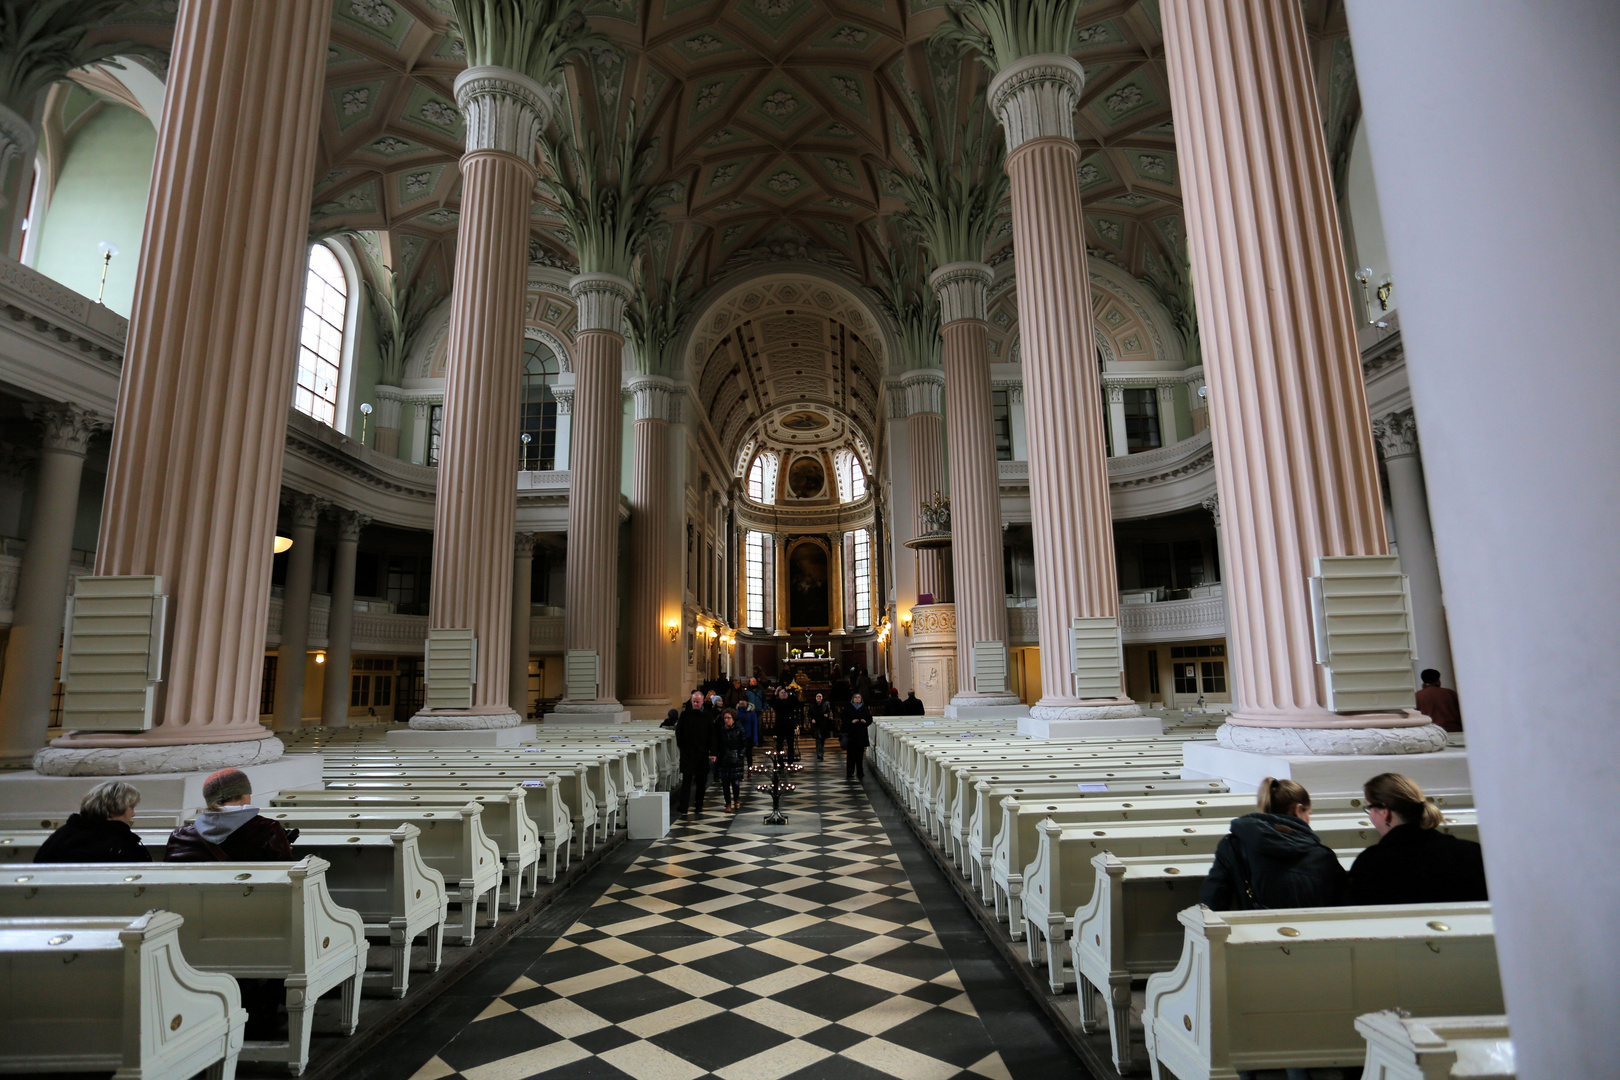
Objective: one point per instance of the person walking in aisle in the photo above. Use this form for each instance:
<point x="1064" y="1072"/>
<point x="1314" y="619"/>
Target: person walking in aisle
<point x="694" y="736"/>
<point x="857" y="737"/>
<point x="731" y="758"/>
<point x="818" y="714"/>
<point x="748" y="720"/>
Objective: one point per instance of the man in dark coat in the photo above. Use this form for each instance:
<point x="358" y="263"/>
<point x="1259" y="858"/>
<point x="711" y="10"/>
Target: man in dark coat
<point x="231" y="829"/>
<point x="819" y="716"/>
<point x="694" y="737"/>
<point x="913" y="705"/>
<point x="857" y="731"/>
<point x="1439" y="703"/>
<point x="1273" y="861"/>
<point x="100" y="832"/>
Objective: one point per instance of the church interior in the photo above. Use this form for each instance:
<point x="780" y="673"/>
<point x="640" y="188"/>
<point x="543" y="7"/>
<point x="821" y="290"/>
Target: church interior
<point x="809" y="539"/>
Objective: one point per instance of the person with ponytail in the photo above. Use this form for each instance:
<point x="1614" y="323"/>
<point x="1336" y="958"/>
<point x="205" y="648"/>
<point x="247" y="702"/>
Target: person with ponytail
<point x="1414" y="862"/>
<point x="1273" y="859"/>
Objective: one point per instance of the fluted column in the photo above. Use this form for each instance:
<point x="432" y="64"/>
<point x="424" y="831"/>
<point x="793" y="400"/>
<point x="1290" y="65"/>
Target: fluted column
<point x="922" y="393"/>
<point x="18" y="144"/>
<point x="657" y="406"/>
<point x="978" y="585"/>
<point x="779" y="574"/>
<point x="522" y="619"/>
<point x="837" y="616"/>
<point x="340" y="620"/>
<point x="36" y="626"/>
<point x="1294" y="459"/>
<point x="1072" y="526"/>
<point x="198" y="436"/>
<point x="296" y="590"/>
<point x="591" y="619"/>
<point x="565" y="424"/>
<point x="1409" y="504"/>
<point x="476" y="509"/>
<point x="390" y="403"/>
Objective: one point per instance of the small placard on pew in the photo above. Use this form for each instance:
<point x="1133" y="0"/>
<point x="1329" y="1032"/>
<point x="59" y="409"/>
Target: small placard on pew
<point x="1092" y="787"/>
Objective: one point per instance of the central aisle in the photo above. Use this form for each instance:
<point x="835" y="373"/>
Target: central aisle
<point x="723" y="951"/>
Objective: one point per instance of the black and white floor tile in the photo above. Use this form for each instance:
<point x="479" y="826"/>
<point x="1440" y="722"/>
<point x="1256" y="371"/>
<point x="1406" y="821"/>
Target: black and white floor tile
<point x="721" y="952"/>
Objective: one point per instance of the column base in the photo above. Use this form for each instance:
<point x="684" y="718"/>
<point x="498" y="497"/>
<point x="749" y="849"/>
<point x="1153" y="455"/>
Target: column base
<point x="161" y="758"/>
<point x="1442" y="772"/>
<point x="986" y="707"/>
<point x="1120" y="710"/>
<point x="1334" y="741"/>
<point x="592" y="712"/>
<point x="444" y="720"/>
<point x="650" y="710"/>
<point x="33" y="799"/>
<point x="504" y="736"/>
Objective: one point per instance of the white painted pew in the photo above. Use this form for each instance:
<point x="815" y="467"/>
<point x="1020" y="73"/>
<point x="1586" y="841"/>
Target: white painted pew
<point x="1060" y="877"/>
<point x="1401" y="1047"/>
<point x="95" y="994"/>
<point x="249" y="920"/>
<point x="575" y="794"/>
<point x="612" y="768"/>
<point x="1282" y="989"/>
<point x="604" y="793"/>
<point x="451" y="841"/>
<point x="377" y="873"/>
<point x="506" y="821"/>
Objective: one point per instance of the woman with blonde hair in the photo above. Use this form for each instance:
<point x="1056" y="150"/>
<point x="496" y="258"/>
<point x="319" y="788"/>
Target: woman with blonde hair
<point x="1414" y="862"/>
<point x="1272" y="858"/>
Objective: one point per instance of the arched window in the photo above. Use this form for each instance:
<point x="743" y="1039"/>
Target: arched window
<point x="320" y="345"/>
<point x="861" y="558"/>
<point x="756" y="553"/>
<point x="539" y="408"/>
<point x="762" y="478"/>
<point x="851" y="477"/>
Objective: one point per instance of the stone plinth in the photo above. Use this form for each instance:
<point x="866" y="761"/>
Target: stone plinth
<point x="25" y="796"/>
<point x="1444" y="772"/>
<point x="933" y="655"/>
<point x="1100" y="728"/>
<point x="507" y="736"/>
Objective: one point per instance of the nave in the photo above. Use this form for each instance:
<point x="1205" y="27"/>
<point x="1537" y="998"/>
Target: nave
<point x="831" y="948"/>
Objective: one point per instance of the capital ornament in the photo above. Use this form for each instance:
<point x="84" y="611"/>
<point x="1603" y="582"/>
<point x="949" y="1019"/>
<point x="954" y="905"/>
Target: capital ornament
<point x="1213" y="505"/>
<point x="1035" y="97"/>
<point x="305" y="509"/>
<point x="565" y="400"/>
<point x="656" y="398"/>
<point x="523" y="545"/>
<point x="602" y="299"/>
<point x="923" y="392"/>
<point x="68" y="427"/>
<point x="1397" y="434"/>
<point x="502" y="109"/>
<point x="963" y="289"/>
<point x="349" y="525"/>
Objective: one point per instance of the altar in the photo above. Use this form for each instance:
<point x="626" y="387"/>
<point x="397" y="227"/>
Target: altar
<point x="816" y="669"/>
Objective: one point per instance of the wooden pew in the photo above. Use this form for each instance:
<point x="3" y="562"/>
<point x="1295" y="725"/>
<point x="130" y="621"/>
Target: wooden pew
<point x="248" y="920"/>
<point x="1282" y="989"/>
<point x="378" y="873"/>
<point x="1401" y="1047"/>
<point x="95" y="994"/>
<point x="451" y="841"/>
<point x="506" y="821"/>
<point x="1060" y="878"/>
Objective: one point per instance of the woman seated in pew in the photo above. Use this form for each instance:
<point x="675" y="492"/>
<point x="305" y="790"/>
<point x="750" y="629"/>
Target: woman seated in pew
<point x="1273" y="859"/>
<point x="1413" y="861"/>
<point x="100" y="832"/>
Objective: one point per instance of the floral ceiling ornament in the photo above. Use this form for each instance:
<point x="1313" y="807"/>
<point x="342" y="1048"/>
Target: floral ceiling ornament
<point x="774" y="9"/>
<point x="850" y="35"/>
<point x="418" y="184"/>
<point x="704" y="43"/>
<point x="784" y="182"/>
<point x="356" y="100"/>
<point x="1092" y="35"/>
<point x="780" y="104"/>
<point x="850" y="88"/>
<point x="1152" y="163"/>
<point x="1126" y="97"/>
<point x="376" y="13"/>
<point x="1088" y="173"/>
<point x="390" y="145"/>
<point x="708" y="95"/>
<point x="441" y="113"/>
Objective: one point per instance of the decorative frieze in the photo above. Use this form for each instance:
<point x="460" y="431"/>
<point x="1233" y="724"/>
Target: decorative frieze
<point x="504" y="110"/>
<point x="1397" y="434"/>
<point x="602" y="299"/>
<point x="963" y="289"/>
<point x="1035" y="97"/>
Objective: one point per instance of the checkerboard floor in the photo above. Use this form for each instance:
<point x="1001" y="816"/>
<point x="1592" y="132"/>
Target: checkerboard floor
<point x="804" y="955"/>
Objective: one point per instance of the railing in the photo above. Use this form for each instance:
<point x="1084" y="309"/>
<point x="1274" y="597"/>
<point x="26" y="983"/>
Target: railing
<point x="1163" y="620"/>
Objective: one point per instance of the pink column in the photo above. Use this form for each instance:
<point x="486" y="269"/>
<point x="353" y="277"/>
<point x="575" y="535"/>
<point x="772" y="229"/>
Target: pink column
<point x="657" y="405"/>
<point x="340" y="620"/>
<point x="979" y="587"/>
<point x="1073" y="532"/>
<point x="195" y="473"/>
<point x="1294" y="459"/>
<point x="475" y="514"/>
<point x="522" y="619"/>
<point x="922" y="392"/>
<point x="591" y="619"/>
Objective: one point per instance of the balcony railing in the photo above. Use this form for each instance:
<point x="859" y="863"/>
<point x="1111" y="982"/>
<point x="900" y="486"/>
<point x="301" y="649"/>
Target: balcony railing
<point x="1147" y="620"/>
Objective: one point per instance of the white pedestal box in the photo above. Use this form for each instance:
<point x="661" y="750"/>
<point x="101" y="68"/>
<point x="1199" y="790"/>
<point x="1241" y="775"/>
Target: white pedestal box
<point x="987" y="712"/>
<point x="1089" y="729"/>
<point x="648" y="815"/>
<point x="28" y="795"/>
<point x="507" y="736"/>
<point x="1444" y="772"/>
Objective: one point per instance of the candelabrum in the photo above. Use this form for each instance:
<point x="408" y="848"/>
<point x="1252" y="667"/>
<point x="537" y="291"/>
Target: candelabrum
<point x="777" y="770"/>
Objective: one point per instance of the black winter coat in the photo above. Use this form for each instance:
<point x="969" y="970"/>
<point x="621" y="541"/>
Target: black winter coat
<point x="258" y="840"/>
<point x="97" y="840"/>
<point x="694" y="736"/>
<point x="1273" y="861"/>
<point x="858" y="725"/>
<point x="1414" y="865"/>
<point x="820" y="716"/>
<point x="730" y="746"/>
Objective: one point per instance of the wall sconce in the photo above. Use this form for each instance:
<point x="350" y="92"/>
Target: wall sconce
<point x="674" y="629"/>
<point x="320" y="658"/>
<point x="905" y="623"/>
<point x="1364" y="275"/>
<point x="282" y="544"/>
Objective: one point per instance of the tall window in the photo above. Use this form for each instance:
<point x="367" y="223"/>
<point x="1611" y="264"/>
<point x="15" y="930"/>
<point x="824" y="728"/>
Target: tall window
<point x="320" y="345"/>
<point x="862" y="558"/>
<point x="851" y="477"/>
<point x="1141" y="419"/>
<point x="1001" y="421"/>
<point x="539" y="408"/>
<point x="762" y="478"/>
<point x="435" y="430"/>
<point x="754" y="546"/>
